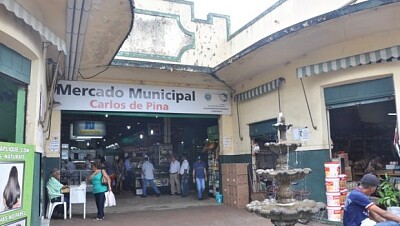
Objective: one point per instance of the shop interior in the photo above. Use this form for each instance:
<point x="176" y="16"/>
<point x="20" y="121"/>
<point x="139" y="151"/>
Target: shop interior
<point x="134" y="135"/>
<point x="365" y="134"/>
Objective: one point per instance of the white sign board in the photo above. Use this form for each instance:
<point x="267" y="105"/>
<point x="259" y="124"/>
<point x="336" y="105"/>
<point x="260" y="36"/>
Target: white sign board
<point x="93" y="96"/>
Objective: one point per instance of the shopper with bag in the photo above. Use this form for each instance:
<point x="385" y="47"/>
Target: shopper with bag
<point x="101" y="182"/>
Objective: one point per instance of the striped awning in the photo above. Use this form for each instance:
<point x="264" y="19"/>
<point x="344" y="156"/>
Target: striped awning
<point x="259" y="90"/>
<point x="377" y="56"/>
<point x="29" y="19"/>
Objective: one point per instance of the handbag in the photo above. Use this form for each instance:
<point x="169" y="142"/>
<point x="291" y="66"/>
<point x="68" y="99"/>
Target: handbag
<point x="104" y="180"/>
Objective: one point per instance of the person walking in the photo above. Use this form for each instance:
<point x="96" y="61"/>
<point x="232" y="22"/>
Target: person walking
<point x="129" y="176"/>
<point x="184" y="172"/>
<point x="360" y="209"/>
<point x="99" y="189"/>
<point x="174" y="168"/>
<point x="148" y="177"/>
<point x="199" y="177"/>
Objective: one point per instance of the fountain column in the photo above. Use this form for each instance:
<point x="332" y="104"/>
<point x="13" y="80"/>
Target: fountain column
<point x="285" y="210"/>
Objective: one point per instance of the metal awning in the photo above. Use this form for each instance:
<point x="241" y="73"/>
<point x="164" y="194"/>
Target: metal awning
<point x="377" y="56"/>
<point x="260" y="90"/>
<point x="29" y="19"/>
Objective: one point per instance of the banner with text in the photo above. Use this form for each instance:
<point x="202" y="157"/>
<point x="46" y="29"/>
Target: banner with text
<point x="93" y="96"/>
<point x="16" y="173"/>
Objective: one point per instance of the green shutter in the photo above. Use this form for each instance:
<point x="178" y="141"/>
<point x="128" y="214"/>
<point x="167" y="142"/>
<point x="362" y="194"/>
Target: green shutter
<point x="262" y="128"/>
<point x="14" y="64"/>
<point x="356" y="93"/>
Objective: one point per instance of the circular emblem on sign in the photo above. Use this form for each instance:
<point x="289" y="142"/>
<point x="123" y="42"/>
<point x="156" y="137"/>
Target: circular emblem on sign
<point x="224" y="97"/>
<point x="207" y="96"/>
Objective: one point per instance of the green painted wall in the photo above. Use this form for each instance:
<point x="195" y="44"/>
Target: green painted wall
<point x="47" y="165"/>
<point x="314" y="182"/>
<point x="36" y="191"/>
<point x="235" y="159"/>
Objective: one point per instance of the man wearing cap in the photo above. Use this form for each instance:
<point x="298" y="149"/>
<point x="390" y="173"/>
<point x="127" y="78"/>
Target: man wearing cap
<point x="359" y="208"/>
<point x="199" y="177"/>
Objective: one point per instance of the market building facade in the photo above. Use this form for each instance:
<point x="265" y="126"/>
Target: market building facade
<point x="319" y="66"/>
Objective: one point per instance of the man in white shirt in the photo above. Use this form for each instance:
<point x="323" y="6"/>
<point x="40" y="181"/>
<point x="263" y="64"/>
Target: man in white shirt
<point x="148" y="177"/>
<point x="184" y="172"/>
<point x="174" y="176"/>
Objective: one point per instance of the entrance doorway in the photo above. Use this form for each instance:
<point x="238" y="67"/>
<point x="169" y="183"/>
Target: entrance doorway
<point x="365" y="133"/>
<point x="132" y="136"/>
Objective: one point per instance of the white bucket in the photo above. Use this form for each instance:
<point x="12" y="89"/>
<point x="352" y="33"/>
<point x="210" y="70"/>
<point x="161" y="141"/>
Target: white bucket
<point x="394" y="209"/>
<point x="333" y="199"/>
<point x="332" y="184"/>
<point x="332" y="169"/>
<point x="334" y="213"/>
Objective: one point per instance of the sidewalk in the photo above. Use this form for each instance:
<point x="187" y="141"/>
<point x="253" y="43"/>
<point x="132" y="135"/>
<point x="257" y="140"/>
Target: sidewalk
<point x="165" y="211"/>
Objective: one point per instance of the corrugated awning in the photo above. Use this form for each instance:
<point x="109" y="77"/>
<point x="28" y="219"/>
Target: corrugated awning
<point x="259" y="90"/>
<point x="377" y="56"/>
<point x="22" y="13"/>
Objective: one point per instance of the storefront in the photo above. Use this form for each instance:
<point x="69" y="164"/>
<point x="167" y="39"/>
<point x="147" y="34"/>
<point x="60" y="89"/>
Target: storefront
<point x="362" y="119"/>
<point x="118" y="121"/>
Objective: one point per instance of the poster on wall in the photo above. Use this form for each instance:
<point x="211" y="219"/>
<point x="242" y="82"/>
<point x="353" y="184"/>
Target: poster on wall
<point x="16" y="173"/>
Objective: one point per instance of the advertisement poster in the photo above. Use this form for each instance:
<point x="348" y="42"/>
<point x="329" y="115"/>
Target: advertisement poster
<point x="16" y="173"/>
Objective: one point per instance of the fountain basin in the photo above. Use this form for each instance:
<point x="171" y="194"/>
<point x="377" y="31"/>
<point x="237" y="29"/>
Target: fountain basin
<point x="287" y="174"/>
<point x="297" y="212"/>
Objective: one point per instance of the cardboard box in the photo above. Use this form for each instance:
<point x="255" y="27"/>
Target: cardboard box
<point x="349" y="173"/>
<point x="225" y="169"/>
<point x="241" y="201"/>
<point x="238" y="191"/>
<point x="239" y="168"/>
<point x="345" y="158"/>
<point x="238" y="180"/>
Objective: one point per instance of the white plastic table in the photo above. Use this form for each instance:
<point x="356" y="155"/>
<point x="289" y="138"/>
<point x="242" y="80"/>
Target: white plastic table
<point x="77" y="195"/>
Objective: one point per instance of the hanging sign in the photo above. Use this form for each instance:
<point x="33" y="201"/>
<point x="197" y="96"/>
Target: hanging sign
<point x="92" y="96"/>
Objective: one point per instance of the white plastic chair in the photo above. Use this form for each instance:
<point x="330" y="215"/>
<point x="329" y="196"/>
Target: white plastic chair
<point x="52" y="205"/>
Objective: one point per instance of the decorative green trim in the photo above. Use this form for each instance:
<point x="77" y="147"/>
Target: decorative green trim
<point x="161" y="66"/>
<point x="210" y="17"/>
<point x="158" y="56"/>
<point x="253" y="21"/>
<point x="20" y="119"/>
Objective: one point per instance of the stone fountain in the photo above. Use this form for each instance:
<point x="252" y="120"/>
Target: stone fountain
<point x="284" y="210"/>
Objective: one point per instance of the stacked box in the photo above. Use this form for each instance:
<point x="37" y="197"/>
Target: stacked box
<point x="235" y="185"/>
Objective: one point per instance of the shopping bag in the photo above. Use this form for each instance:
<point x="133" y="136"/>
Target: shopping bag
<point x="110" y="199"/>
<point x="368" y="222"/>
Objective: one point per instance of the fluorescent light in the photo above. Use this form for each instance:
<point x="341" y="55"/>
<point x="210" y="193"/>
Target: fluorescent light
<point x="88" y="137"/>
<point x="392" y="114"/>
